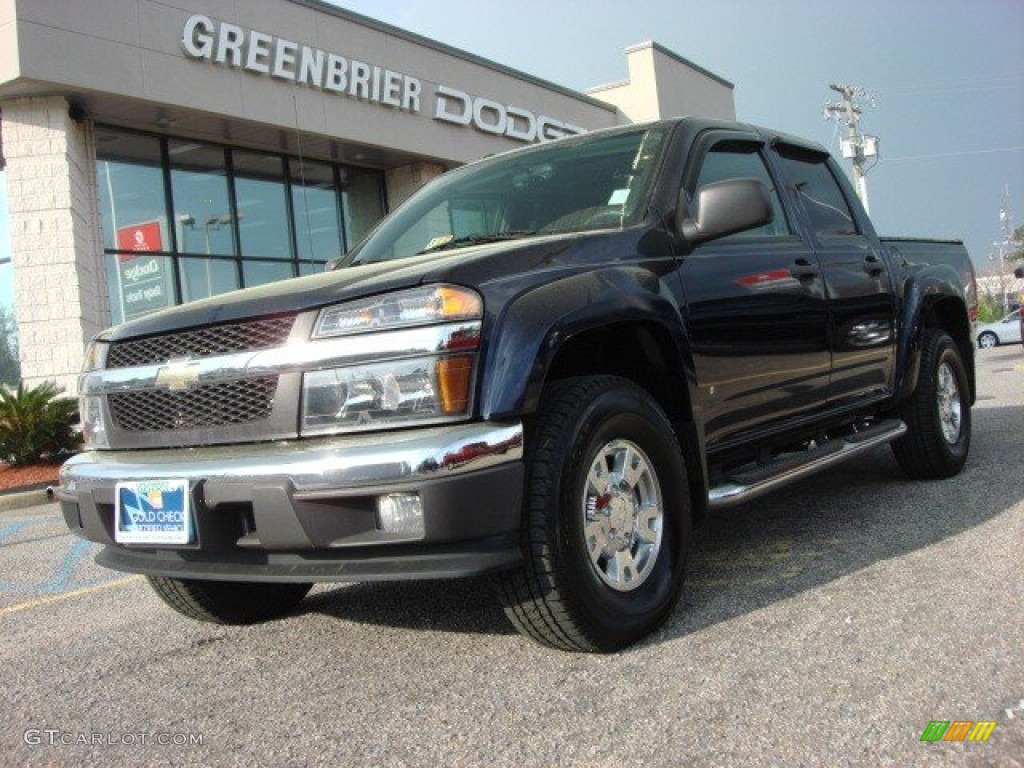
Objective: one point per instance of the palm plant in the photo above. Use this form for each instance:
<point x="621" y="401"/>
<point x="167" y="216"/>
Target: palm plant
<point x="37" y="424"/>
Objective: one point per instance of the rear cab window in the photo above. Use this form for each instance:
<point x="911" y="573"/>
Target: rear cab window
<point x="810" y="180"/>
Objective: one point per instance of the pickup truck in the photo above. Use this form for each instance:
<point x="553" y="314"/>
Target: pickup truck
<point x="547" y="366"/>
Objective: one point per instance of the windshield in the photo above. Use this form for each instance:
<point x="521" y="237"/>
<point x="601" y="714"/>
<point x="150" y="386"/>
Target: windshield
<point x="580" y="184"/>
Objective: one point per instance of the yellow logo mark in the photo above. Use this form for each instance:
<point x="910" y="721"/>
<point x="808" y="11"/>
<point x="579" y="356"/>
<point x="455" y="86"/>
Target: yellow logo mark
<point x="982" y="731"/>
<point x="178" y="375"/>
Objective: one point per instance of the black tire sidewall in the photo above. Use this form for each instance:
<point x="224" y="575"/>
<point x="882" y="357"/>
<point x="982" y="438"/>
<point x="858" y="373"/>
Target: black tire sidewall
<point x="622" y="414"/>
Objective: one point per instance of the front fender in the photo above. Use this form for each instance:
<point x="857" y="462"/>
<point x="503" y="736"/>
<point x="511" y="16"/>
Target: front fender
<point x="529" y="332"/>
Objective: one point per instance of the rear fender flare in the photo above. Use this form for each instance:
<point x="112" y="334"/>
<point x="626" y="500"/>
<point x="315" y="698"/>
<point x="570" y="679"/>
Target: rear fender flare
<point x="922" y="292"/>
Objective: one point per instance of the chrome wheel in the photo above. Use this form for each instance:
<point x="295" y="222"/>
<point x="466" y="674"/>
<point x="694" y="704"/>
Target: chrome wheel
<point x="623" y="515"/>
<point x="987" y="341"/>
<point x="947" y="395"/>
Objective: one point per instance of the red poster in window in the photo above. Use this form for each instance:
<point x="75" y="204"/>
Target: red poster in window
<point x="143" y="238"/>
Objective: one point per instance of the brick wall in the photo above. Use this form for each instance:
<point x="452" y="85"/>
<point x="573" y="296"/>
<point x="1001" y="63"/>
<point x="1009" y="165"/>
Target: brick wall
<point x="60" y="294"/>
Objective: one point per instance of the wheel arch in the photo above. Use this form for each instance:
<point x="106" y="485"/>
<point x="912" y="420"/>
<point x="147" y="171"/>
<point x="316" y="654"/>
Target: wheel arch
<point x="632" y="329"/>
<point x="933" y="300"/>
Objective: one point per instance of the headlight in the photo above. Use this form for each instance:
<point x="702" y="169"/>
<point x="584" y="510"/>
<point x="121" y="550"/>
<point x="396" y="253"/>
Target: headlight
<point x="94" y="429"/>
<point x="423" y="385"/>
<point x="420" y="306"/>
<point x="95" y="355"/>
<point x="425" y="390"/>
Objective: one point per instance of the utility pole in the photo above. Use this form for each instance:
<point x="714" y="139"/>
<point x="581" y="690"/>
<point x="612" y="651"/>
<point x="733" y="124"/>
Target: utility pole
<point x="1005" y="217"/>
<point x="856" y="146"/>
<point x="1005" y="246"/>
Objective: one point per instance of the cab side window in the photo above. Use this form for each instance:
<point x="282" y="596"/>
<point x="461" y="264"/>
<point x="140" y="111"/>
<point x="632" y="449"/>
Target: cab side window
<point x="810" y="179"/>
<point x="742" y="160"/>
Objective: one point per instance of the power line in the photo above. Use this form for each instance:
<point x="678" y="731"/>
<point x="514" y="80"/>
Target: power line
<point x="965" y="153"/>
<point x="999" y="81"/>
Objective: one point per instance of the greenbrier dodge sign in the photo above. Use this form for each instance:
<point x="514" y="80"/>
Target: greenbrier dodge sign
<point x="229" y="45"/>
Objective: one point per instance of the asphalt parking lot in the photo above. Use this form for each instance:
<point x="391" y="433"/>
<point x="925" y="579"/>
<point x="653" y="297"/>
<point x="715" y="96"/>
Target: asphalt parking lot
<point x="827" y="624"/>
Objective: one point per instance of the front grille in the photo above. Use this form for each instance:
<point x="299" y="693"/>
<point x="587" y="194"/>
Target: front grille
<point x="209" y="405"/>
<point x="202" y="342"/>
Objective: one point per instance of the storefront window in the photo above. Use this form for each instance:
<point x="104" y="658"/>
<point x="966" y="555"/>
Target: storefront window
<point x="206" y="277"/>
<point x="260" y="272"/>
<point x="139" y="284"/>
<point x="135" y="231"/>
<point x="262" y="204"/>
<point x="318" y="235"/>
<point x="131" y="189"/>
<point x="201" y="201"/>
<point x="240" y="218"/>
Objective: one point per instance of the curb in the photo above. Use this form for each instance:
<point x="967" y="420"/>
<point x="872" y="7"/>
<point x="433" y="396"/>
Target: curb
<point x="24" y="499"/>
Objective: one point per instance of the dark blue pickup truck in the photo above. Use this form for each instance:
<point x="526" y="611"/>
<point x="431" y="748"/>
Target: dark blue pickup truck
<point x="548" y="366"/>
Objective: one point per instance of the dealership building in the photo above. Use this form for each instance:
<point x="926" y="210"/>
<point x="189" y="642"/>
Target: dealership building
<point x="161" y="151"/>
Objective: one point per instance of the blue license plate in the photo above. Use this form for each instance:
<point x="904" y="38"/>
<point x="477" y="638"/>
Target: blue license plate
<point x="152" y="512"/>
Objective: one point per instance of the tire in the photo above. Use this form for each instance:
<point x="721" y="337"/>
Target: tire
<point x="987" y="340"/>
<point x="604" y="548"/>
<point x="228" y="602"/>
<point x="937" y="414"/>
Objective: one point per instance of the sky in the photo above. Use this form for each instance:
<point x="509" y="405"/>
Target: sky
<point x="947" y="77"/>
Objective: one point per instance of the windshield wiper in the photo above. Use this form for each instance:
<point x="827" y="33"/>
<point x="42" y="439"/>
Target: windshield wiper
<point x="477" y="239"/>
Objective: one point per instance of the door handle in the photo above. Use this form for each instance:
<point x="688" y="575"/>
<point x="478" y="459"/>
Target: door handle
<point x="803" y="269"/>
<point x="873" y="265"/>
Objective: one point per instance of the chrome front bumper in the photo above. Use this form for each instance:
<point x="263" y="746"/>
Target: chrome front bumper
<point x="319" y="464"/>
<point x="305" y="509"/>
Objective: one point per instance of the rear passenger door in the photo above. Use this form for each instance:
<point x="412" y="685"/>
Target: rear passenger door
<point x="861" y="303"/>
<point x="755" y="307"/>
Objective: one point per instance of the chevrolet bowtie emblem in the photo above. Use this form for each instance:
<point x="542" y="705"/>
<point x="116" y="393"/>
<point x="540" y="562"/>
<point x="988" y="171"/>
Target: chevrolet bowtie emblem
<point x="178" y="375"/>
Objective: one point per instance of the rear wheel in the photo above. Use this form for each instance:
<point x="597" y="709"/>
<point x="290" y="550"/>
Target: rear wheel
<point x="938" y="414"/>
<point x="228" y="602"/>
<point x="606" y="522"/>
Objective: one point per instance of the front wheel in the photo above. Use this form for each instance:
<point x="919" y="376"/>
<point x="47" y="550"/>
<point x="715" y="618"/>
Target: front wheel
<point x="987" y="340"/>
<point x="937" y="414"/>
<point x="228" y="602"/>
<point x="606" y="519"/>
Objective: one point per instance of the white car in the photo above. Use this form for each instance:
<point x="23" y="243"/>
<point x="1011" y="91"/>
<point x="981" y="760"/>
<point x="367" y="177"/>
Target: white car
<point x="1005" y="331"/>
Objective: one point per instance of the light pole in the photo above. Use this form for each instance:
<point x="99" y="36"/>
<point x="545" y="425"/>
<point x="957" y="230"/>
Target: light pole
<point x="215" y="222"/>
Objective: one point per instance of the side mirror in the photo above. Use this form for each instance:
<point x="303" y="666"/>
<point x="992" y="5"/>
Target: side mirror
<point x="724" y="208"/>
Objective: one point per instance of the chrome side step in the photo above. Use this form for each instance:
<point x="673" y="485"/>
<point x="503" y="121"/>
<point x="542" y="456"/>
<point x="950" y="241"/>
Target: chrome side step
<point x="749" y="484"/>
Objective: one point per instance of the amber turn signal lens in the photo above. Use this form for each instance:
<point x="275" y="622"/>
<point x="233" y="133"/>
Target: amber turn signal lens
<point x="459" y="302"/>
<point x="453" y="379"/>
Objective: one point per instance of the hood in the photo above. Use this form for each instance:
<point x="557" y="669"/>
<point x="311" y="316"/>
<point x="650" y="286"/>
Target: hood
<point x="472" y="266"/>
